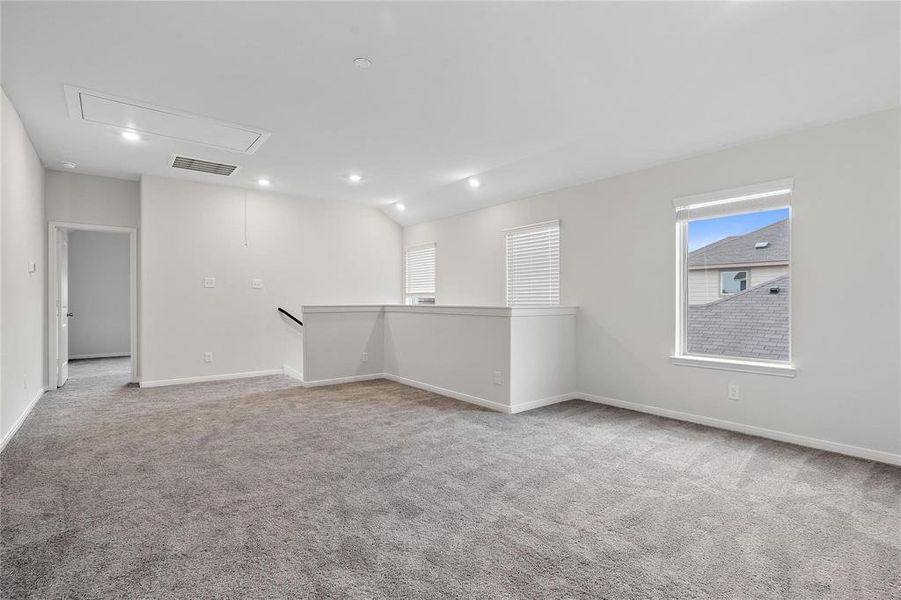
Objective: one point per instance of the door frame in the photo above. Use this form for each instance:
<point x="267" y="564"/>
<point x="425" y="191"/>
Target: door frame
<point x="54" y="228"/>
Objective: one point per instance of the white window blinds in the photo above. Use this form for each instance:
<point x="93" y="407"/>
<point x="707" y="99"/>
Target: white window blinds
<point x="419" y="269"/>
<point x="533" y="264"/>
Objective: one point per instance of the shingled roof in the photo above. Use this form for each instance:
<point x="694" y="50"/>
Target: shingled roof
<point x="750" y="324"/>
<point x="740" y="249"/>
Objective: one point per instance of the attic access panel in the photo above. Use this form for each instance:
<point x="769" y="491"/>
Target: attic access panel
<point x="104" y="109"/>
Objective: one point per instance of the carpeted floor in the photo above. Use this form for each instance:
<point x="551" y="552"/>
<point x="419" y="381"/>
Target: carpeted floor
<point x="261" y="489"/>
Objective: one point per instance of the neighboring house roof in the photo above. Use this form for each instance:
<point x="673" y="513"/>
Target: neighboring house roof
<point x="740" y="249"/>
<point x="749" y="324"/>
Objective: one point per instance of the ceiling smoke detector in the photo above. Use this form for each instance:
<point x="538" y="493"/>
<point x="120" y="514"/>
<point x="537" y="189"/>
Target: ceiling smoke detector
<point x="362" y="62"/>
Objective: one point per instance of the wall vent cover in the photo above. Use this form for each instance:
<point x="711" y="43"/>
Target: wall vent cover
<point x="203" y="166"/>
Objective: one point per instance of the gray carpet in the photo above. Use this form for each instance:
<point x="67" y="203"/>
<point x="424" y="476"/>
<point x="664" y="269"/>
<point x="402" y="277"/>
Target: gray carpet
<point x="261" y="489"/>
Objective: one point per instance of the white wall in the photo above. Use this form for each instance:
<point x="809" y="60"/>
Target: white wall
<point x="542" y="358"/>
<point x="23" y="293"/>
<point x="341" y="339"/>
<point x="306" y="252"/>
<point x="508" y="359"/>
<point x="77" y="198"/>
<point x="99" y="291"/>
<point x="450" y="352"/>
<point x="845" y="343"/>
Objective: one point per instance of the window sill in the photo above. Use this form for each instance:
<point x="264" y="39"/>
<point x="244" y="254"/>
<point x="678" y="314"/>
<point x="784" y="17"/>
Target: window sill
<point x="731" y="364"/>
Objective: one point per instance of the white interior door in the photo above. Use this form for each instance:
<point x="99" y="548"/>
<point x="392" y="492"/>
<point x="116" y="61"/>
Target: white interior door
<point x="62" y="311"/>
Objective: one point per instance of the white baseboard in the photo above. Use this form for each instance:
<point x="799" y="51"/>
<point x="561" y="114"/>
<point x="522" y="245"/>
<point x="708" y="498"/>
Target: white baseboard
<point x="292" y="372"/>
<point x="780" y="436"/>
<point x="100" y="355"/>
<point x="203" y="378"/>
<point x="349" y="379"/>
<point x="9" y="434"/>
<point x="524" y="406"/>
<point x="449" y="393"/>
<point x="772" y="434"/>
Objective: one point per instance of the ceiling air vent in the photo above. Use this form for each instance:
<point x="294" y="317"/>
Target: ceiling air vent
<point x="204" y="166"/>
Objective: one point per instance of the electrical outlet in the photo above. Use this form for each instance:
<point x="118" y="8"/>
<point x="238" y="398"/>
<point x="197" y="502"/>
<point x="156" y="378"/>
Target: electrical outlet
<point x="365" y="357"/>
<point x="256" y="284"/>
<point x="498" y="378"/>
<point x="209" y="282"/>
<point x="207" y="357"/>
<point x="734" y="392"/>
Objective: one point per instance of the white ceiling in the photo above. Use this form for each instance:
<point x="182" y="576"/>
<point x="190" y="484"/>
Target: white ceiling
<point x="528" y="96"/>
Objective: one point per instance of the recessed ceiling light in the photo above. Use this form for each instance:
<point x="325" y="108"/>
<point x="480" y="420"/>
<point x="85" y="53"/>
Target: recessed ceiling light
<point x="355" y="178"/>
<point x="263" y="182"/>
<point x="68" y="164"/>
<point x="400" y="206"/>
<point x="473" y="182"/>
<point x="362" y="62"/>
<point x="131" y="136"/>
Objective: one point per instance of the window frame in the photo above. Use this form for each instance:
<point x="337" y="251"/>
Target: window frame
<point x="543" y="225"/>
<point x="741" y="200"/>
<point x="411" y="298"/>
<point x="723" y="292"/>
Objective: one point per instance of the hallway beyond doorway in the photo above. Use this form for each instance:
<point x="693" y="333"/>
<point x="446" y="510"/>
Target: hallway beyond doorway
<point x="90" y="371"/>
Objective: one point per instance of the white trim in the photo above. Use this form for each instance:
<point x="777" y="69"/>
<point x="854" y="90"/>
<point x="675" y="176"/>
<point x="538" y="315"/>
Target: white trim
<point x="481" y="311"/>
<point x="772" y="434"/>
<point x="542" y="224"/>
<point x="341" y="308"/>
<point x="543" y="311"/>
<point x="497" y="406"/>
<point x="52" y="228"/>
<point x="421" y="245"/>
<point x="12" y="431"/>
<point x="292" y="372"/>
<point x="204" y="378"/>
<point x="681" y="299"/>
<point x="339" y="380"/>
<point x="730" y="364"/>
<point x="524" y="406"/>
<point x="743" y="197"/>
<point x="99" y="355"/>
<point x="439" y="309"/>
<point x="745" y="193"/>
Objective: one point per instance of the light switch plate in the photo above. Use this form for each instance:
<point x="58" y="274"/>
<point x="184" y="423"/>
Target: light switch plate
<point x="209" y="282"/>
<point x="32" y="266"/>
<point x="256" y="284"/>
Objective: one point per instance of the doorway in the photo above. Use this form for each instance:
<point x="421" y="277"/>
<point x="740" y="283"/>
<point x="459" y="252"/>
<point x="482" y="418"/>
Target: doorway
<point x="92" y="304"/>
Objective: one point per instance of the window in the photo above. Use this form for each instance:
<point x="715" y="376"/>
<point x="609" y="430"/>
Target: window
<point x="732" y="282"/>
<point x="533" y="264"/>
<point x="733" y="278"/>
<point x="419" y="274"/>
